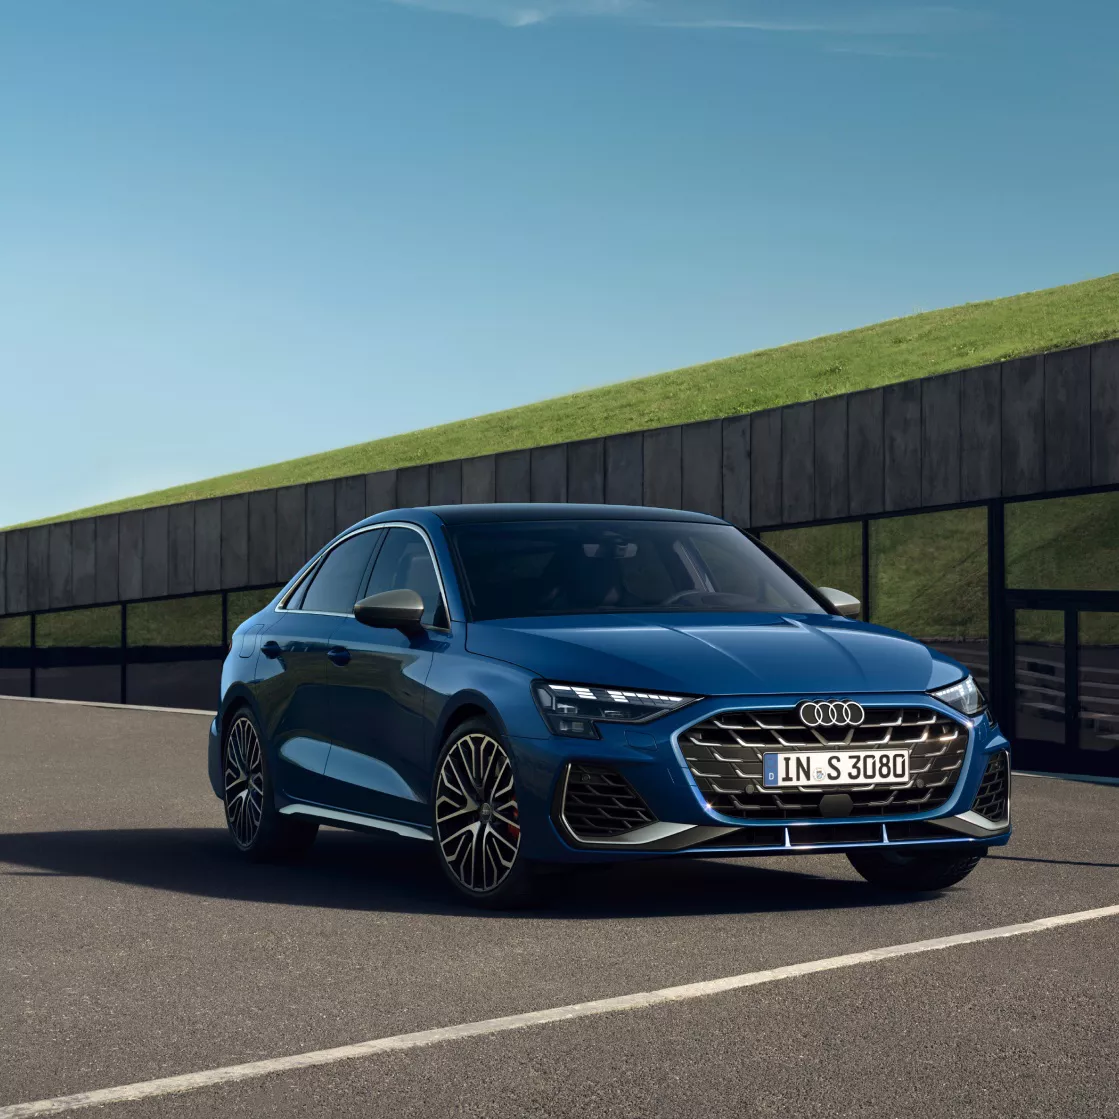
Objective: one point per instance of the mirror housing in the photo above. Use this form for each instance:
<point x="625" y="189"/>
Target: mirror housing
<point x="400" y="609"/>
<point x="844" y="604"/>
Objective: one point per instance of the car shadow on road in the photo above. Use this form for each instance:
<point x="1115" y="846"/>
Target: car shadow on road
<point x="358" y="872"/>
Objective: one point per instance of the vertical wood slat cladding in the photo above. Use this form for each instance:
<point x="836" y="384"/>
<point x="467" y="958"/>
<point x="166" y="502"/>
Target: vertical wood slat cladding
<point x="235" y="541"/>
<point x="180" y="548"/>
<point x="446" y="483"/>
<point x="154" y="566"/>
<point x="513" y="481"/>
<point x="901" y="423"/>
<point x="765" y="468"/>
<point x="586" y="471"/>
<point x="735" y="472"/>
<point x="349" y="502"/>
<point x="1068" y="419"/>
<point x="84" y="560"/>
<point x="548" y="473"/>
<point x="940" y="440"/>
<point x="662" y="466"/>
<point x="981" y="433"/>
<point x="320" y="515"/>
<point x="1024" y="427"/>
<point x="1105" y="413"/>
<point x="798" y="462"/>
<point x="60" y="549"/>
<point x="413" y="486"/>
<point x="701" y="467"/>
<point x="106" y="535"/>
<point x="291" y="531"/>
<point x="263" y="568"/>
<point x="207" y="545"/>
<point x="479" y="480"/>
<point x="832" y="486"/>
<point x="623" y="484"/>
<point x="866" y="452"/>
<point x="16" y="575"/>
<point x="131" y="554"/>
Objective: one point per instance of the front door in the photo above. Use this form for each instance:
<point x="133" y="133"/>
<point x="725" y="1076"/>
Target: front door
<point x="1066" y="686"/>
<point x="380" y="760"/>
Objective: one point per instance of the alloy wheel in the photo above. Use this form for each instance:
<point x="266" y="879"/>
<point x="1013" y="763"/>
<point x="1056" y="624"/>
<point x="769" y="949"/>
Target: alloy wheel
<point x="244" y="781"/>
<point x="476" y="818"/>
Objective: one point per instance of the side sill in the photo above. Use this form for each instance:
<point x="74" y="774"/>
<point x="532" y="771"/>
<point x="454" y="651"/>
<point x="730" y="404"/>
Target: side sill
<point x="334" y="816"/>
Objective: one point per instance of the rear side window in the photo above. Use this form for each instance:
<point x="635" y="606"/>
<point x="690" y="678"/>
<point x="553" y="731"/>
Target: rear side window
<point x="334" y="587"/>
<point x="404" y="563"/>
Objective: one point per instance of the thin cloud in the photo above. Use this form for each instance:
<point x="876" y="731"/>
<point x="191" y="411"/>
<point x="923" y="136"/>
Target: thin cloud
<point x="837" y="18"/>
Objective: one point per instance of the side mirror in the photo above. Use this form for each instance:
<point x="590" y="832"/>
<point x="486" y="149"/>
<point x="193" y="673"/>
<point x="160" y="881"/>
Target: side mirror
<point x="400" y="609"/>
<point x="846" y="605"/>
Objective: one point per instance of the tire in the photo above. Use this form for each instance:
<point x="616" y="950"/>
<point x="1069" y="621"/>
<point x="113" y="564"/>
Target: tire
<point x="476" y="821"/>
<point x="258" y="831"/>
<point x="915" y="872"/>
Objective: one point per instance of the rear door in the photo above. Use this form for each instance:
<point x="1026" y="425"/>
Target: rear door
<point x="296" y="667"/>
<point x="380" y="761"/>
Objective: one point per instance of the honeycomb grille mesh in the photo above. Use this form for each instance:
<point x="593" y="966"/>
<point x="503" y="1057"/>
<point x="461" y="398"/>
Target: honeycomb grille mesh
<point x="725" y="753"/>
<point x="600" y="803"/>
<point x="994" y="789"/>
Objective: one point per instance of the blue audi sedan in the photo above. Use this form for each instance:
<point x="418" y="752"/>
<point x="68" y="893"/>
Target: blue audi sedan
<point x="520" y="685"/>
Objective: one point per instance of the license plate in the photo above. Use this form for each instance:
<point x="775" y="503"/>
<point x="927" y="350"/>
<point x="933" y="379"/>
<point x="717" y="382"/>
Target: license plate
<point x="835" y="767"/>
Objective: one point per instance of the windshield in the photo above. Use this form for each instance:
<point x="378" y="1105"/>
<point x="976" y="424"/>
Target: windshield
<point x="537" y="568"/>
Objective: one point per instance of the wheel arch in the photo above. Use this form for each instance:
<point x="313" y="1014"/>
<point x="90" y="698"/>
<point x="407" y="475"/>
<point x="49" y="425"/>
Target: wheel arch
<point x="462" y="707"/>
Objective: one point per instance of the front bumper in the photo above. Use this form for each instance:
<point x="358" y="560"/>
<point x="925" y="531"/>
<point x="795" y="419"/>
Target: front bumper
<point x="679" y="821"/>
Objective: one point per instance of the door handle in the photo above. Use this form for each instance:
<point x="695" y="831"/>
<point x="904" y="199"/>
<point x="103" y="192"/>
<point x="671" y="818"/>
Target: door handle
<point x="338" y="655"/>
<point x="271" y="649"/>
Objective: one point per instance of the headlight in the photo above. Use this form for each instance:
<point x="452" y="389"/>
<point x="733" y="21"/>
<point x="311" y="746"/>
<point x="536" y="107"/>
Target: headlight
<point x="573" y="709"/>
<point x="964" y="696"/>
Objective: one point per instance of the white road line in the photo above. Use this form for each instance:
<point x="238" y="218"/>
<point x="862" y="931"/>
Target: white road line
<point x="115" y="706"/>
<point x="169" y="1085"/>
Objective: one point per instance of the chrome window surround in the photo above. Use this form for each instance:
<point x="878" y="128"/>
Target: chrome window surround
<point x="316" y="563"/>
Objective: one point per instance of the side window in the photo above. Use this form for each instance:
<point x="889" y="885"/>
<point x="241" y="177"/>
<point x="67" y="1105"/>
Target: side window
<point x="334" y="587"/>
<point x="405" y="563"/>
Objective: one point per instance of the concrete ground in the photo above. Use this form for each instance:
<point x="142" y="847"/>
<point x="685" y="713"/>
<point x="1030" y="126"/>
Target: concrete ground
<point x="135" y="944"/>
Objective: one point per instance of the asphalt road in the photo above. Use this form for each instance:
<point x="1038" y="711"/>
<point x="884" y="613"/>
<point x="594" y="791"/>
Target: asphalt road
<point x="134" y="944"/>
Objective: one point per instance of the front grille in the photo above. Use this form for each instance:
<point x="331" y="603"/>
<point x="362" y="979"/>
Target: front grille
<point x="835" y="833"/>
<point x="600" y="804"/>
<point x="994" y="789"/>
<point x="725" y="752"/>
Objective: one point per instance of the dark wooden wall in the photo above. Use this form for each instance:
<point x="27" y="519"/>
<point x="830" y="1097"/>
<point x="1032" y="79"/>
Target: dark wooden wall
<point x="1032" y="426"/>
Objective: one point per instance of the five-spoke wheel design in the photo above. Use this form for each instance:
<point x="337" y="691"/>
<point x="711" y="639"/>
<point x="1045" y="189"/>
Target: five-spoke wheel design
<point x="244" y="781"/>
<point x="476" y="820"/>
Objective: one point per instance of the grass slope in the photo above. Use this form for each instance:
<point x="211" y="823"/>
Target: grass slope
<point x="897" y="350"/>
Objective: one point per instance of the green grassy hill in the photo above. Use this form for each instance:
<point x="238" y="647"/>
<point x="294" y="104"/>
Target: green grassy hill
<point x="897" y="350"/>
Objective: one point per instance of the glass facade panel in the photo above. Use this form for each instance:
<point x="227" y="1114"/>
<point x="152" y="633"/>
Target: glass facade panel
<point x="1068" y="543"/>
<point x="244" y="604"/>
<point x="1039" y="685"/>
<point x="195" y="684"/>
<point x="828" y="556"/>
<point x="15" y="633"/>
<point x="15" y="656"/>
<point x="928" y="578"/>
<point x="97" y="628"/>
<point x="1099" y="692"/>
<point x="175" y="622"/>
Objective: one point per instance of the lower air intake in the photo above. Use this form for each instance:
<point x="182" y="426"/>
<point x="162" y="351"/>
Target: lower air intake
<point x="601" y="804"/>
<point x="992" y="800"/>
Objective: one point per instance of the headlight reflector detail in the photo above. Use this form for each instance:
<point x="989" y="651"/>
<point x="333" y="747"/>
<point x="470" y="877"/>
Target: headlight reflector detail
<point x="965" y="696"/>
<point x="573" y="709"/>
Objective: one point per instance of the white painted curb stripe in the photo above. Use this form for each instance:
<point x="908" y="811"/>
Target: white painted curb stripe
<point x="189" y="1081"/>
<point x="114" y="706"/>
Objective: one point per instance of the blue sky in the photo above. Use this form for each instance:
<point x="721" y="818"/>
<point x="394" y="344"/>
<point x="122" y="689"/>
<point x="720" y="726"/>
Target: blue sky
<point x="236" y="231"/>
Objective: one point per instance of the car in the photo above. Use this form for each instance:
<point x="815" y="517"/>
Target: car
<point x="529" y="684"/>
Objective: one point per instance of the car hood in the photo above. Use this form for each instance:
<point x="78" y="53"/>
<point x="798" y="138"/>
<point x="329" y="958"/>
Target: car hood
<point x="717" y="654"/>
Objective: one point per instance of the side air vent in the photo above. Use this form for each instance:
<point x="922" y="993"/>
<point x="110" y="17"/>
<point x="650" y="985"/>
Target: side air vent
<point x="992" y="800"/>
<point x="601" y="804"/>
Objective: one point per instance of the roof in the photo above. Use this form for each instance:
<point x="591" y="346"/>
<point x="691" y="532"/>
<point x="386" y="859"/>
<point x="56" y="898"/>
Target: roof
<point x="547" y="511"/>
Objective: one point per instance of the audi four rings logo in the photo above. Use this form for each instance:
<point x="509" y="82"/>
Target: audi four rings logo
<point x="831" y="713"/>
